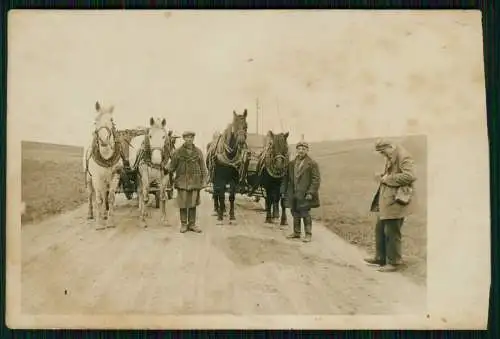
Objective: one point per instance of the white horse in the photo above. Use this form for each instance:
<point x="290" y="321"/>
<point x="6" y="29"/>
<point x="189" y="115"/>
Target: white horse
<point x="151" y="161"/>
<point x="103" y="165"/>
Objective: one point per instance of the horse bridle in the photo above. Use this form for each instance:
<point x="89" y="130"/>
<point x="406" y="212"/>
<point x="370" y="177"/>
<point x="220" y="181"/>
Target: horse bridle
<point x="111" y="133"/>
<point x="241" y="132"/>
<point x="274" y="157"/>
<point x="162" y="149"/>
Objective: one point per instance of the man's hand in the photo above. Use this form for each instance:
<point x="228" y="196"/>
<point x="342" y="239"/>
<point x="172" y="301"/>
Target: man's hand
<point x="309" y="196"/>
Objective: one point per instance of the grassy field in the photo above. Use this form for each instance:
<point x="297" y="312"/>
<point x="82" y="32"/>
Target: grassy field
<point x="347" y="189"/>
<point x="52" y="179"/>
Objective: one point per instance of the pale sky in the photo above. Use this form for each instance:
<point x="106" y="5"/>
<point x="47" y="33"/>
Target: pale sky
<point x="336" y="74"/>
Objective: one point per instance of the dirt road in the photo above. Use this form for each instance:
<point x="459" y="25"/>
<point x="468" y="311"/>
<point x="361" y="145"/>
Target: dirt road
<point x="248" y="268"/>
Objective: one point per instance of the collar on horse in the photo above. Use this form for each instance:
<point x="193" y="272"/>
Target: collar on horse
<point x="117" y="150"/>
<point x="269" y="163"/>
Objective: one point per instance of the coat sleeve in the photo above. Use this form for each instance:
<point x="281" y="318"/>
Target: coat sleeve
<point x="173" y="162"/>
<point x="203" y="167"/>
<point x="315" y="178"/>
<point x="406" y="177"/>
<point x="284" y="181"/>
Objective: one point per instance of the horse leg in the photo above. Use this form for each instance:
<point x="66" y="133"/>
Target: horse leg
<point x="218" y="194"/>
<point x="232" y="197"/>
<point x="144" y="195"/>
<point x="100" y="208"/>
<point x="268" y="202"/>
<point x="164" y="188"/>
<point x="284" y="221"/>
<point x="90" y="194"/>
<point x="107" y="200"/>
<point x="111" y="195"/>
<point x="215" y="198"/>
<point x="140" y="199"/>
<point x="221" y="195"/>
<point x="276" y="203"/>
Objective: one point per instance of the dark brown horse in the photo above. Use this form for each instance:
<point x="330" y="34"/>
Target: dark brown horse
<point x="271" y="171"/>
<point x="224" y="161"/>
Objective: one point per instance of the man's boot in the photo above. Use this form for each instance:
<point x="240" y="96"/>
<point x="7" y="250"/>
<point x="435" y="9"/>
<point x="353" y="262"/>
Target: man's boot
<point x="296" y="229"/>
<point x="192" y="220"/>
<point x="184" y="219"/>
<point x="380" y="246"/>
<point x="308" y="228"/>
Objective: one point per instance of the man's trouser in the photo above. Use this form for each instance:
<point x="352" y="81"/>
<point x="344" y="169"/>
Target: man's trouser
<point x="298" y="215"/>
<point x="388" y="240"/>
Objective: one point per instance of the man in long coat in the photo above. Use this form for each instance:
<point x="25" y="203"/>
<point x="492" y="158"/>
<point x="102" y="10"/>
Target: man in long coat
<point x="300" y="189"/>
<point x="190" y="177"/>
<point x="393" y="203"/>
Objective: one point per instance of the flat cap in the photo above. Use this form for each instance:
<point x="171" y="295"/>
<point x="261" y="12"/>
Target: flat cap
<point x="382" y="144"/>
<point x="188" y="134"/>
<point x="302" y="144"/>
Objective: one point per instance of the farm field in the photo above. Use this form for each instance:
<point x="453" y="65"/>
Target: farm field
<point x="52" y="180"/>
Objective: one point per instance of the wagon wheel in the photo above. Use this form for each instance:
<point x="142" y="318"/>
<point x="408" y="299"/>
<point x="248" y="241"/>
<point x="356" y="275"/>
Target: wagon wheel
<point x="157" y="199"/>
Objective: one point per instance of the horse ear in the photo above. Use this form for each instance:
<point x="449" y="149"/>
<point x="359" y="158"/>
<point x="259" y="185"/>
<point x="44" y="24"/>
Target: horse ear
<point x="170" y="133"/>
<point x="151" y="121"/>
<point x="245" y="113"/>
<point x="286" y="135"/>
<point x="234" y="113"/>
<point x="163" y="122"/>
<point x="111" y="109"/>
<point x="270" y="133"/>
<point x="97" y="106"/>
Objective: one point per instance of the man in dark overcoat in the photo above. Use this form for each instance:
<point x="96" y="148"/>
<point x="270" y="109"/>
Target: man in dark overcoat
<point x="300" y="189"/>
<point x="392" y="202"/>
<point x="190" y="177"/>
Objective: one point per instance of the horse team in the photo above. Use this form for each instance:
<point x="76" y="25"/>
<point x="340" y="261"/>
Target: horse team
<point x="227" y="160"/>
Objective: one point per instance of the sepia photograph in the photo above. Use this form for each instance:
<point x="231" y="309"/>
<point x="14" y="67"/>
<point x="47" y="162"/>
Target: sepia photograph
<point x="247" y="169"/>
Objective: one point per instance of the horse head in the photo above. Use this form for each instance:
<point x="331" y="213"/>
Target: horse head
<point x="156" y="139"/>
<point x="278" y="148"/>
<point x="104" y="126"/>
<point x="239" y="127"/>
